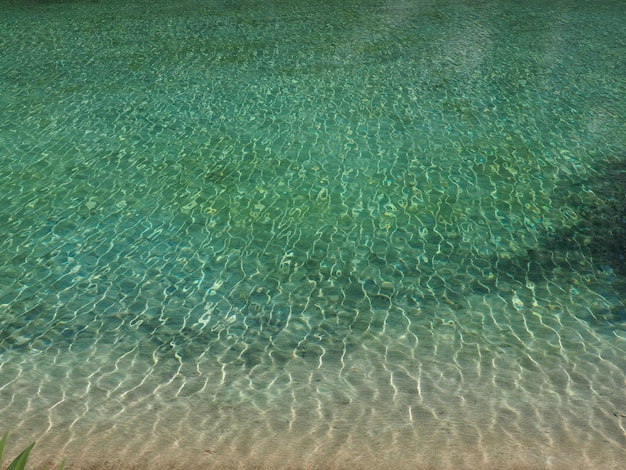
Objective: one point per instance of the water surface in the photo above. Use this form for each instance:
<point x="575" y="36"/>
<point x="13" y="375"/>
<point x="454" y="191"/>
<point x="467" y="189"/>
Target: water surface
<point x="314" y="234"/>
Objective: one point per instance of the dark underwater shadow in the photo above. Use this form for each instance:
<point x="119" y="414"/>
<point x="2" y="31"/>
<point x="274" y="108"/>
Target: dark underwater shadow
<point x="599" y="227"/>
<point x="593" y="241"/>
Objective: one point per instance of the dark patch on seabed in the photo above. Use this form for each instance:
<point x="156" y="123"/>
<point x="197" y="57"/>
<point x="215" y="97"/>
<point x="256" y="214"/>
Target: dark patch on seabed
<point x="594" y="243"/>
<point x="600" y="228"/>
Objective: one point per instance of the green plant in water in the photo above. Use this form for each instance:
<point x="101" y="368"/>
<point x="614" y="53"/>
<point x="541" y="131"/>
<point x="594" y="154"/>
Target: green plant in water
<point x="20" y="461"/>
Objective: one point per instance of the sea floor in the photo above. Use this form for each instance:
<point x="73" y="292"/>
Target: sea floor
<point x="327" y="234"/>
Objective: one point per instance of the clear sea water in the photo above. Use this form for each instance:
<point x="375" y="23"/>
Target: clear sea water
<point x="313" y="234"/>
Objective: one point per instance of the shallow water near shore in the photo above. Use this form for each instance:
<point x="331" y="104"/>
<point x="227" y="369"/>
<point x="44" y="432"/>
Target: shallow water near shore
<point x="313" y="235"/>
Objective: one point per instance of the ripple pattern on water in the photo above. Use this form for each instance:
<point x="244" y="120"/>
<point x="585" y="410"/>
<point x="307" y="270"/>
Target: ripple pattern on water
<point x="314" y="235"/>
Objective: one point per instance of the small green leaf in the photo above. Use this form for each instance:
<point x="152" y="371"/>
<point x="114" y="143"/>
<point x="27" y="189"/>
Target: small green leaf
<point x="2" y="443"/>
<point x="20" y="461"/>
<point x="62" y="465"/>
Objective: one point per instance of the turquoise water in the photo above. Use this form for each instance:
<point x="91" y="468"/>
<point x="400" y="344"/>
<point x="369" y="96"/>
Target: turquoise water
<point x="314" y="234"/>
